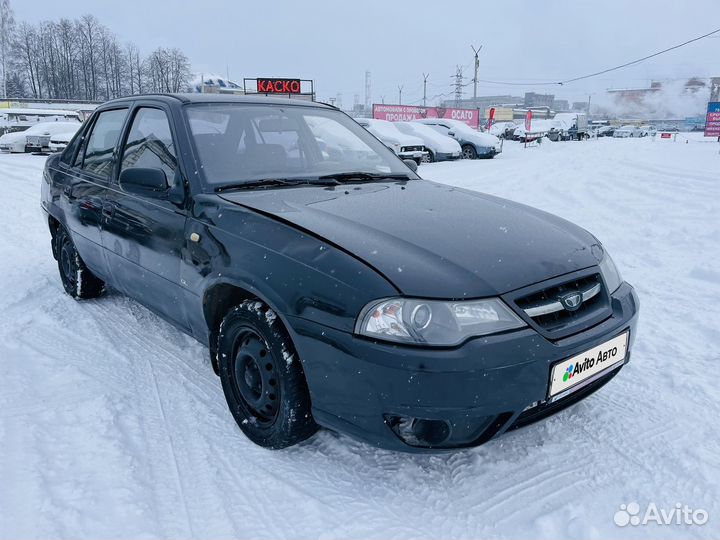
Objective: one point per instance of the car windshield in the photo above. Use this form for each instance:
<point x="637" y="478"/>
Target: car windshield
<point x="242" y="142"/>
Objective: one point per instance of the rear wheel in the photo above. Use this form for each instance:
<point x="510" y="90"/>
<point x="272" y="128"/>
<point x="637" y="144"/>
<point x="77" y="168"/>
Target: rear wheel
<point x="429" y="157"/>
<point x="77" y="280"/>
<point x="469" y="152"/>
<point x="262" y="377"/>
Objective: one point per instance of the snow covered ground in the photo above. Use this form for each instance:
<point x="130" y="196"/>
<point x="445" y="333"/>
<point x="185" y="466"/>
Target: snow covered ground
<point x="112" y="423"/>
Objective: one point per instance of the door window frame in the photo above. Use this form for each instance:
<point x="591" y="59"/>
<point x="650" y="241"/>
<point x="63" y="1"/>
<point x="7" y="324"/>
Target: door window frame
<point x="82" y="146"/>
<point x="126" y="134"/>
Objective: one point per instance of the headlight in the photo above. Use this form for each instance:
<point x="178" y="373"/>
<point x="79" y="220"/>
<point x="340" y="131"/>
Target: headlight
<point x="610" y="273"/>
<point x="432" y="322"/>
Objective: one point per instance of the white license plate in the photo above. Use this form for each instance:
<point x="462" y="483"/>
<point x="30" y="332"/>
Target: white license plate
<point x="571" y="372"/>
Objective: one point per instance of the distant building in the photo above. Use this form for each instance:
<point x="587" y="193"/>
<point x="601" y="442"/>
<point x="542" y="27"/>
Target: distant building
<point x="214" y="84"/>
<point x="634" y="95"/>
<point x="561" y="105"/>
<point x="484" y="102"/>
<point x="538" y="100"/>
<point x="579" y="105"/>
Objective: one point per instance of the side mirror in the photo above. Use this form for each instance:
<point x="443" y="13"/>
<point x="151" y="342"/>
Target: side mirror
<point x="150" y="183"/>
<point x="411" y="163"/>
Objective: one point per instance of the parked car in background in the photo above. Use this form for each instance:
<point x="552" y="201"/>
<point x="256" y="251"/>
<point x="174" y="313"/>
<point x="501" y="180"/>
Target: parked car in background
<point x="439" y="147"/>
<point x="501" y="129"/>
<point x="626" y="131"/>
<point x="538" y="129"/>
<point x="605" y="131"/>
<point x="405" y="146"/>
<point x="647" y="130"/>
<point x="570" y="126"/>
<point x="473" y="143"/>
<point x="59" y="142"/>
<point x="36" y="137"/>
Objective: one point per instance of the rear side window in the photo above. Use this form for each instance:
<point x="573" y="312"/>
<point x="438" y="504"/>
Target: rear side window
<point x="102" y="142"/>
<point x="150" y="143"/>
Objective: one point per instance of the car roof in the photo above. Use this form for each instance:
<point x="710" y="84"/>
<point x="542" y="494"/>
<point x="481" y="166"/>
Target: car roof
<point x="218" y="98"/>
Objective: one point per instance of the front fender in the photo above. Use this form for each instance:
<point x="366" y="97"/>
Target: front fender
<point x="293" y="271"/>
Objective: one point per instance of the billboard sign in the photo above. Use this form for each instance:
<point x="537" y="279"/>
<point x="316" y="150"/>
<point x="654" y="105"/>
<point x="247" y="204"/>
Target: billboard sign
<point x="528" y="121"/>
<point x="278" y="86"/>
<point x="712" y="120"/>
<point x="406" y="113"/>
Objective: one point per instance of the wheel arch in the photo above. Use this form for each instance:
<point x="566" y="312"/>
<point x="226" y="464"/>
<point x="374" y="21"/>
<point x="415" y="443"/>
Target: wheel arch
<point x="219" y="298"/>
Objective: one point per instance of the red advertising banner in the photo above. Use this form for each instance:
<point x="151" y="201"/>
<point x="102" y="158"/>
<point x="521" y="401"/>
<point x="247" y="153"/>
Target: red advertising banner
<point x="491" y="117"/>
<point x="712" y="120"/>
<point x="528" y="121"/>
<point x="406" y="113"/>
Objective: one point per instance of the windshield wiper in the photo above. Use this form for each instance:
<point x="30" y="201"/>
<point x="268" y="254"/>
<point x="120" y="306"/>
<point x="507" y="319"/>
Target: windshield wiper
<point x="362" y="176"/>
<point x="277" y="182"/>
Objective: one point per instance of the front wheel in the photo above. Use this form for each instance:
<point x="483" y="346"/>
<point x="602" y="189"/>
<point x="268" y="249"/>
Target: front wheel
<point x="429" y="157"/>
<point x="262" y="378"/>
<point x="469" y="152"/>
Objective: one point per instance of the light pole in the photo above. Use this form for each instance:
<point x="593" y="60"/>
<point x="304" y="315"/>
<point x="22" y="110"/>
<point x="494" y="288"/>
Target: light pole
<point x="475" y="78"/>
<point x="400" y="89"/>
<point x="425" y="78"/>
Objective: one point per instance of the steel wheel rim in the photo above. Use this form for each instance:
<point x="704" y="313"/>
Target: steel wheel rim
<point x="67" y="264"/>
<point x="255" y="377"/>
<point x="467" y="153"/>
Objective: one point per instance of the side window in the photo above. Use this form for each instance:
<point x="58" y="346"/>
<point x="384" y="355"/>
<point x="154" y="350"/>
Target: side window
<point x="102" y="141"/>
<point x="150" y="144"/>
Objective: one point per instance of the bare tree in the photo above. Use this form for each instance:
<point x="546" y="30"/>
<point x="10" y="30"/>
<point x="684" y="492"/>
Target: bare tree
<point x="25" y="47"/>
<point x="7" y="27"/>
<point x="83" y="59"/>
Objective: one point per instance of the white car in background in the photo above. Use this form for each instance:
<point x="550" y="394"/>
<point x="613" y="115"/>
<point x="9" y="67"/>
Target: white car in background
<point x="647" y="130"/>
<point x="405" y="146"/>
<point x="59" y="142"/>
<point x="624" y="132"/>
<point x="35" y="138"/>
<point x="500" y="128"/>
<point x="474" y="144"/>
<point x="439" y="147"/>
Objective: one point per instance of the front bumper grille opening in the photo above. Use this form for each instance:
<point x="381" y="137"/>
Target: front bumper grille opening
<point x="546" y="409"/>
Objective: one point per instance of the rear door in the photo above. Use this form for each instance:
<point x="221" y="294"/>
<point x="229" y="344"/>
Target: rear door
<point x="86" y="176"/>
<point x="144" y="236"/>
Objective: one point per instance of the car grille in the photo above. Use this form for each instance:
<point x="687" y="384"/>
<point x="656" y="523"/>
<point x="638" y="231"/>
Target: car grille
<point x="412" y="148"/>
<point x="546" y="309"/>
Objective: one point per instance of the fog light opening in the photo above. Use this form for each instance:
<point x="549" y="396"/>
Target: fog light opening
<point x="419" y="431"/>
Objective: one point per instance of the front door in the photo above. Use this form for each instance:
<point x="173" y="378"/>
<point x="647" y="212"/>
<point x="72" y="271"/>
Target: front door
<point x="143" y="236"/>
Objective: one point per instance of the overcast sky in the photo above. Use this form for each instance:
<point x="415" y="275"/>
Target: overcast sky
<point x="334" y="43"/>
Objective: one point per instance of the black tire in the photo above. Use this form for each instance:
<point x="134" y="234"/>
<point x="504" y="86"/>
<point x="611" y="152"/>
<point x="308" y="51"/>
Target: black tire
<point x="262" y="377"/>
<point x="429" y="158"/>
<point x="77" y="280"/>
<point x="469" y="152"/>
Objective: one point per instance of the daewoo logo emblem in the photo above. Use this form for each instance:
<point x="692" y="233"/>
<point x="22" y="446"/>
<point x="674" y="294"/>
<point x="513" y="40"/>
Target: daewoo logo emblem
<point x="571" y="301"/>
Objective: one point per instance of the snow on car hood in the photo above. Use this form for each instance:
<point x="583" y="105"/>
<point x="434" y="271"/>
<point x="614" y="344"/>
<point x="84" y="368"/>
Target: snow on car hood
<point x="16" y="136"/>
<point x="477" y="137"/>
<point x="433" y="240"/>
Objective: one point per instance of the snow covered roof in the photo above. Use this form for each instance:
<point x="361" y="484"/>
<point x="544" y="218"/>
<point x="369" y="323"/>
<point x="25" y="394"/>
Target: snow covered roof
<point x="217" y="81"/>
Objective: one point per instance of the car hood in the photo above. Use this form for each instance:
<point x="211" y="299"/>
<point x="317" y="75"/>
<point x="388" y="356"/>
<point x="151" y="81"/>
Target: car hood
<point x="432" y="240"/>
<point x="443" y="144"/>
<point x="484" y="139"/>
<point x="14" y="137"/>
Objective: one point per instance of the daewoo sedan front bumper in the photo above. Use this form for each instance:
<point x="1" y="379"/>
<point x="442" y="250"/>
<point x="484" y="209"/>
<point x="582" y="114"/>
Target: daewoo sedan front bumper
<point x="422" y="399"/>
